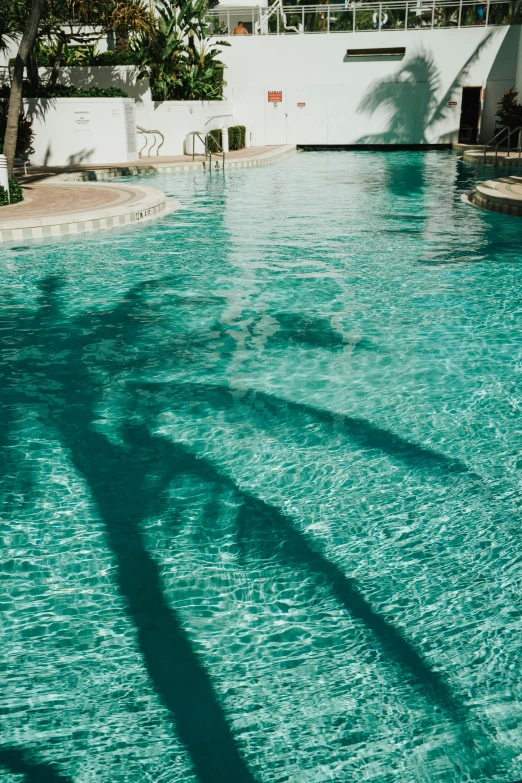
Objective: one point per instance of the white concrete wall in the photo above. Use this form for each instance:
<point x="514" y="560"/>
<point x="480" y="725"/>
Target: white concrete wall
<point x="6" y="55"/>
<point x="177" y="118"/>
<point x="71" y="131"/>
<point x="518" y="78"/>
<point x="372" y="101"/>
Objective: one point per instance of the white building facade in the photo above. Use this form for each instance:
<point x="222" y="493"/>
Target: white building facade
<point x="380" y="88"/>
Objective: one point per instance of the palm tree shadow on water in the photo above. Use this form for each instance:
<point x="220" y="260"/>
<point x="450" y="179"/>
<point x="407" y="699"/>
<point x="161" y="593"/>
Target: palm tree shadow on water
<point x="414" y="105"/>
<point x="128" y="481"/>
<point x="20" y="763"/>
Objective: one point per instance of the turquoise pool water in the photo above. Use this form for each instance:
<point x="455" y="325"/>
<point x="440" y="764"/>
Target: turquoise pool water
<point x="261" y="485"/>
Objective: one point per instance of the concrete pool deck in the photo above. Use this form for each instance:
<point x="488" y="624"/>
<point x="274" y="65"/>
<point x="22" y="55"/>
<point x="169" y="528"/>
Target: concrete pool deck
<point x="52" y="209"/>
<point x="61" y="202"/>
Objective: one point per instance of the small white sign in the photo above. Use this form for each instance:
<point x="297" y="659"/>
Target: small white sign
<point x="144" y="213"/>
<point x="130" y="128"/>
<point x="82" y="120"/>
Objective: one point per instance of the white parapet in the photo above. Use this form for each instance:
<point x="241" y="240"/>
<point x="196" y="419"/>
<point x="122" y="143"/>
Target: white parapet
<point x="73" y="131"/>
<point x="124" y="77"/>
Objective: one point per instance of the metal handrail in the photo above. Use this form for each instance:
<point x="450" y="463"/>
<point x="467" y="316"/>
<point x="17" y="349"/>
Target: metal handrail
<point x="501" y="136"/>
<point x="519" y="148"/>
<point x="434" y="14"/>
<point x="144" y="132"/>
<point x="208" y="151"/>
<point x="218" y="116"/>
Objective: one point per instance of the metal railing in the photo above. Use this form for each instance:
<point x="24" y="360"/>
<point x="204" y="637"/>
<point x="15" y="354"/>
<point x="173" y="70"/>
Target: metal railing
<point x="146" y="135"/>
<point x="208" y="150"/>
<point x="279" y="19"/>
<point x="504" y="135"/>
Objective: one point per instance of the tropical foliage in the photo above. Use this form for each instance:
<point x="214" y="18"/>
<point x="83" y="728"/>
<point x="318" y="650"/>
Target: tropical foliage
<point x="509" y="110"/>
<point x="69" y="29"/>
<point x="14" y="196"/>
<point x="176" y="56"/>
<point x="170" y="47"/>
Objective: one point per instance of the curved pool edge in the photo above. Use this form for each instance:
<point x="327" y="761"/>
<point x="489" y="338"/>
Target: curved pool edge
<point x="131" y="204"/>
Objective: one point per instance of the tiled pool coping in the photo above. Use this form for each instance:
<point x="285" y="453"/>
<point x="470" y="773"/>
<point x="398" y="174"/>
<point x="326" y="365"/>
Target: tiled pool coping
<point x="260" y="156"/>
<point x="135" y="204"/>
<point x="39" y="217"/>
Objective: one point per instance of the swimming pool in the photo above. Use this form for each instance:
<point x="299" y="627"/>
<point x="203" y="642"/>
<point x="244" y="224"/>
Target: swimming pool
<point x="261" y="485"/>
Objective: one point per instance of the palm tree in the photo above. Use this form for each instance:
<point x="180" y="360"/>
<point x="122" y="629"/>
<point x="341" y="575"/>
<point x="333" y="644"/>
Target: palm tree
<point x="15" y="101"/>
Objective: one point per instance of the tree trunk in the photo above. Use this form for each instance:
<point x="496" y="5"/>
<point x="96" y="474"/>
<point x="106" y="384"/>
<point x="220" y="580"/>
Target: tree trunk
<point x="15" y="99"/>
<point x="32" y="71"/>
<point x="122" y="40"/>
<point x="57" y="63"/>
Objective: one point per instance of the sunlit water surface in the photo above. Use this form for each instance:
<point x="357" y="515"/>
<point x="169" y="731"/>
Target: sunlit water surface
<point x="261" y="468"/>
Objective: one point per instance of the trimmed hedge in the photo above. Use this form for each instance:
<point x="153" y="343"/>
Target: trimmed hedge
<point x="236" y="138"/>
<point x="214" y="140"/>
<point x="15" y="191"/>
<point x="65" y="91"/>
<point x="117" y="58"/>
<point x="46" y="59"/>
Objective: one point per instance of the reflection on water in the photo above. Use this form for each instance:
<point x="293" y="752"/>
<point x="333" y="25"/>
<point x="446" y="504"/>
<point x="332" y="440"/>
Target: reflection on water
<point x="260" y="485"/>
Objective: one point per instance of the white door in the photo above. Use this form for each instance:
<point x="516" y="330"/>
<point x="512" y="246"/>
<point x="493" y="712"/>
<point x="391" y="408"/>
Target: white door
<point x="307" y="115"/>
<point x="275" y="114"/>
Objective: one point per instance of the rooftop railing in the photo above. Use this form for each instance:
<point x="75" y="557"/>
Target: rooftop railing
<point x="279" y="19"/>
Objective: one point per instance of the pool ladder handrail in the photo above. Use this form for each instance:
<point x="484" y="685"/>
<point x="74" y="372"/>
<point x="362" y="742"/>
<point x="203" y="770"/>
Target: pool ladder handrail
<point x="154" y="133"/>
<point x="501" y="136"/>
<point x="208" y="151"/>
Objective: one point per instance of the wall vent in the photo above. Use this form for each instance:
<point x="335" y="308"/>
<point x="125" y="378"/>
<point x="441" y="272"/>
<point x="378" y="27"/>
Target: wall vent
<point x="389" y="51"/>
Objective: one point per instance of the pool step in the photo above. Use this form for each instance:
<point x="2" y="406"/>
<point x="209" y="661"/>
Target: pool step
<point x="499" y="195"/>
<point x="500" y="159"/>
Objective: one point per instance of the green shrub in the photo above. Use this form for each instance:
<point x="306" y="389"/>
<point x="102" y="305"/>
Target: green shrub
<point x="15" y="191"/>
<point x="65" y="91"/>
<point x="82" y="56"/>
<point x="117" y="58"/>
<point x="236" y="137"/>
<point x="509" y="110"/>
<point x="215" y="140"/>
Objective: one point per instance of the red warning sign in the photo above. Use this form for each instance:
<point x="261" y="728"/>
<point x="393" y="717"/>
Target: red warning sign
<point x="275" y="96"/>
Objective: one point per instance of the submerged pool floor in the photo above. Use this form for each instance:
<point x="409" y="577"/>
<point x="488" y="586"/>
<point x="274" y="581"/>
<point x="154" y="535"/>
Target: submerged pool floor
<point x="260" y="498"/>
